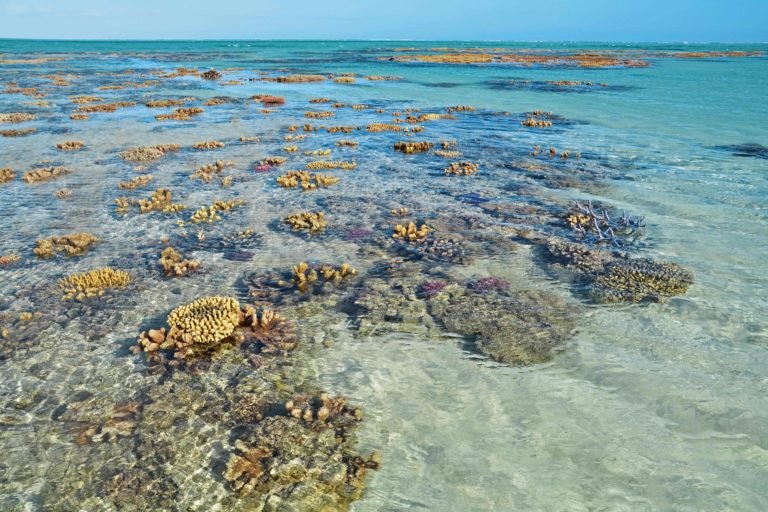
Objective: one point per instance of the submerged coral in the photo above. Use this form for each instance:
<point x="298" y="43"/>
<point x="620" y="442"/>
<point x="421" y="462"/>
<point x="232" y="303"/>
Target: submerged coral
<point x="330" y="164"/>
<point x="74" y="244"/>
<point x="210" y="213"/>
<point x="175" y="265"/>
<point x="160" y="201"/>
<point x="640" y="280"/>
<point x="309" y="221"/>
<point x="148" y="153"/>
<point x="413" y="147"/>
<point x="16" y="117"/>
<point x="93" y="283"/>
<point x="207" y="172"/>
<point x="410" y="232"/>
<point x="71" y="145"/>
<point x="208" y="144"/>
<point x="306" y="180"/>
<point x="461" y="169"/>
<point x="7" y="175"/>
<point x="44" y="174"/>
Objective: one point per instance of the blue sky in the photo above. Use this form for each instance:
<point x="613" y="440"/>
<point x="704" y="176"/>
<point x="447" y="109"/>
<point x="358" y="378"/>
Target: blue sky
<point x="595" y="20"/>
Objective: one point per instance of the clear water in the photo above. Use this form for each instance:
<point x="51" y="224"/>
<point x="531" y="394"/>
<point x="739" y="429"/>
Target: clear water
<point x="648" y="407"/>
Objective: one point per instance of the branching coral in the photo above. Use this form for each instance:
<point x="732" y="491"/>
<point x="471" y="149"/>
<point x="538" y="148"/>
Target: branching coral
<point x="175" y="265"/>
<point x="137" y="182"/>
<point x="304" y="275"/>
<point x="44" y="174"/>
<point x="210" y="213"/>
<point x="306" y="180"/>
<point x="309" y="221"/>
<point x="93" y="283"/>
<point x="73" y="244"/>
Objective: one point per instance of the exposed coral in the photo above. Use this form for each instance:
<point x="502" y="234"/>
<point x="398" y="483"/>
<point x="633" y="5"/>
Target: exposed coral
<point x="137" y="182"/>
<point x="344" y="80"/>
<point x="640" y="280"/>
<point x="180" y="114"/>
<point x="305" y="276"/>
<point x="319" y="115"/>
<point x="347" y="143"/>
<point x="533" y="122"/>
<point x="44" y="174"/>
<point x="271" y="100"/>
<point x="273" y="160"/>
<point x="159" y="202"/>
<point x="208" y="144"/>
<point x="320" y="100"/>
<point x="70" y="145"/>
<point x="306" y="180"/>
<point x="175" y="265"/>
<point x="331" y="164"/>
<point x="461" y="169"/>
<point x="219" y="100"/>
<point x="17" y="133"/>
<point x="382" y="78"/>
<point x="93" y="283"/>
<point x="211" y="74"/>
<point x="312" y="222"/>
<point x="9" y="259"/>
<point x="74" y="244"/>
<point x="174" y="102"/>
<point x="210" y="213"/>
<point x="16" y="117"/>
<point x="104" y="107"/>
<point x="79" y="116"/>
<point x="83" y="100"/>
<point x="7" y="175"/>
<point x="410" y="232"/>
<point x="207" y="172"/>
<point x="413" y="147"/>
<point x="383" y="127"/>
<point x="296" y="78"/>
<point x="148" y="153"/>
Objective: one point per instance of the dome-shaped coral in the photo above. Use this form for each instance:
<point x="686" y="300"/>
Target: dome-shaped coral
<point x="207" y="320"/>
<point x="641" y="280"/>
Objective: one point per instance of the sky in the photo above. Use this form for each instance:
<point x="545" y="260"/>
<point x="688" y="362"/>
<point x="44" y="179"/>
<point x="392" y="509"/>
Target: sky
<point x="513" y="20"/>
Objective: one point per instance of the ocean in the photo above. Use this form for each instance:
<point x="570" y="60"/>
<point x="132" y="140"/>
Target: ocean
<point x="494" y="371"/>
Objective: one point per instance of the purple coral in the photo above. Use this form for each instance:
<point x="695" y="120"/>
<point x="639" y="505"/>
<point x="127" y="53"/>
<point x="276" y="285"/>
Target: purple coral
<point x="487" y="284"/>
<point x="431" y="288"/>
<point x="358" y="234"/>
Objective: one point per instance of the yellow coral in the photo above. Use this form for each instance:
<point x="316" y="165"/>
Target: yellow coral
<point x="207" y="320"/>
<point x="73" y="244"/>
<point x="93" y="283"/>
<point x="307" y="220"/>
<point x="411" y="232"/>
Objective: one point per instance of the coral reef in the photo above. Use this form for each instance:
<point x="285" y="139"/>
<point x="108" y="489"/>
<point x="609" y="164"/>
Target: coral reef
<point x="74" y="244"/>
<point x="461" y="169"/>
<point x="640" y="280"/>
<point x="309" y="221"/>
<point x="79" y="116"/>
<point x="413" y="147"/>
<point x="174" y="264"/>
<point x="271" y="100"/>
<point x="93" y="283"/>
<point x="208" y="144"/>
<point x="16" y="117"/>
<point x="513" y="328"/>
<point x="148" y="153"/>
<point x="137" y="182"/>
<point x="70" y="145"/>
<point x="44" y="174"/>
<point x="7" y="175"/>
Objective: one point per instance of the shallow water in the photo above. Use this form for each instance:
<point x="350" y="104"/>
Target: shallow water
<point x="646" y="407"/>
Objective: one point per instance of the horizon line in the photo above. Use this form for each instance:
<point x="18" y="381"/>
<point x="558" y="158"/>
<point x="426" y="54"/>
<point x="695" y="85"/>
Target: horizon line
<point x="99" y="40"/>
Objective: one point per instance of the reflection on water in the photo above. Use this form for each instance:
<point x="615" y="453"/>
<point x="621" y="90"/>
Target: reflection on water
<point x="489" y="375"/>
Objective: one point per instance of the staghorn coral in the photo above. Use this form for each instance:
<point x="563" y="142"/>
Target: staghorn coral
<point x="461" y="169"/>
<point x="137" y="182"/>
<point x="44" y="174"/>
<point x="93" y="283"/>
<point x="413" y="147"/>
<point x="309" y="221"/>
<point x="209" y="214"/>
<point x="70" y="145"/>
<point x="331" y="164"/>
<point x="74" y="244"/>
<point x="16" y="117"/>
<point x="410" y="232"/>
<point x="640" y="280"/>
<point x="175" y="265"/>
<point x="208" y="144"/>
<point x="7" y="175"/>
<point x="148" y="153"/>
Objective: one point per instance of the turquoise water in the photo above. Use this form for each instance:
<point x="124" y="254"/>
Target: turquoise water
<point x="645" y="407"/>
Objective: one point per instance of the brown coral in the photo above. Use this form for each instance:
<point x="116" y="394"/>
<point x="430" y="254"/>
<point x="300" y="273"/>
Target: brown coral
<point x="413" y="147"/>
<point x="7" y="175"/>
<point x="208" y="144"/>
<point x="74" y="244"/>
<point x="71" y="145"/>
<point x="16" y="117"/>
<point x="461" y="169"/>
<point x="309" y="221"/>
<point x="175" y="265"/>
<point x="137" y="182"/>
<point x="44" y="174"/>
